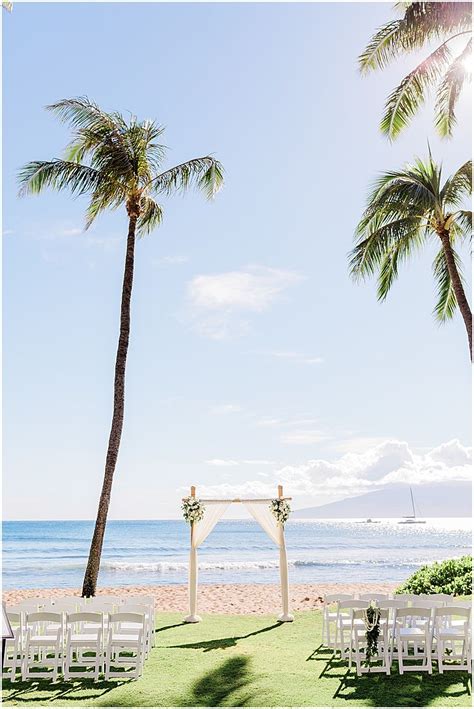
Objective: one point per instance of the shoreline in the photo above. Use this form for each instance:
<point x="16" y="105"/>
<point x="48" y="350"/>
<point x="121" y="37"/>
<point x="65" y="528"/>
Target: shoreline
<point x="239" y="599"/>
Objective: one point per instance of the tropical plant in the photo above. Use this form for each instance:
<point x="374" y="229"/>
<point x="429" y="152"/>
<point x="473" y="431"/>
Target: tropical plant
<point x="406" y="209"/>
<point x="118" y="163"/>
<point x="452" y="576"/>
<point x="449" y="24"/>
<point x="7" y="6"/>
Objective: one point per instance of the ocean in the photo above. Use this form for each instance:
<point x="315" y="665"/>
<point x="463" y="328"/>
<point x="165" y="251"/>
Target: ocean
<point x="50" y="554"/>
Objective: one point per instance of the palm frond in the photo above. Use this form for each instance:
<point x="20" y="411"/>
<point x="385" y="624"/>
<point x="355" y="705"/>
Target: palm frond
<point x="373" y="245"/>
<point x="446" y="303"/>
<point x="449" y="91"/>
<point x="464" y="223"/>
<point x="397" y="253"/>
<point x="382" y="48"/>
<point x="206" y="173"/>
<point x="151" y="215"/>
<point x="404" y="101"/>
<point x="458" y="187"/>
<point x="58" y="174"/>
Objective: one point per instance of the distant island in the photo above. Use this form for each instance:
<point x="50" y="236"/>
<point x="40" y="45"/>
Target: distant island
<point x="432" y="500"/>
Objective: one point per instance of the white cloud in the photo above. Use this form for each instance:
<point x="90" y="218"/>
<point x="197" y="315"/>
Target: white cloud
<point x="226" y="462"/>
<point x="226" y="409"/>
<point x="297" y="357"/>
<point x="217" y="301"/>
<point x="304" y="437"/>
<point x="171" y="260"/>
<point x="384" y="465"/>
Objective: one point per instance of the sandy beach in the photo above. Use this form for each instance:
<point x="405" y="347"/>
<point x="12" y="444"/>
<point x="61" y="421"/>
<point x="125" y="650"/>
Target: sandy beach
<point x="257" y="599"/>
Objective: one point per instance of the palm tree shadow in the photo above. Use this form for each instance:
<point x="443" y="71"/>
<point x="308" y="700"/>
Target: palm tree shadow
<point x="60" y="690"/>
<point x="223" y="686"/>
<point x="223" y="643"/>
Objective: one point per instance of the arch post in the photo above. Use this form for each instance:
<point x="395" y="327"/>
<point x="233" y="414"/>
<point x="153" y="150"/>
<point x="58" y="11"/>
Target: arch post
<point x="193" y="576"/>
<point x="285" y="616"/>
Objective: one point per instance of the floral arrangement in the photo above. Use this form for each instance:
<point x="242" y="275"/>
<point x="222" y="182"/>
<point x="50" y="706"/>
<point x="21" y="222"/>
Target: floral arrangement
<point x="193" y="509"/>
<point x="280" y="509"/>
<point x="372" y="632"/>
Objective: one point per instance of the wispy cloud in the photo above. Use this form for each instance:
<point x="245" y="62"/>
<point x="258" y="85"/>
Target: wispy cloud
<point x="230" y="462"/>
<point x="171" y="260"/>
<point x="297" y="357"/>
<point x="389" y="463"/>
<point x="304" y="437"/>
<point x="219" y="409"/>
<point x="218" y="301"/>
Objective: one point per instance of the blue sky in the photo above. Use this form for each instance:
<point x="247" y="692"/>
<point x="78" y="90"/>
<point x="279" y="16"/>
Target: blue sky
<point x="254" y="359"/>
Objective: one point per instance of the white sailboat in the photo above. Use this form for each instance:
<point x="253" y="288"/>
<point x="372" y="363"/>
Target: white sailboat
<point x="411" y="519"/>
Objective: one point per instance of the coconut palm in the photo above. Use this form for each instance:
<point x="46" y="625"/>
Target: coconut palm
<point x="406" y="210"/>
<point x="445" y="69"/>
<point x="117" y="163"/>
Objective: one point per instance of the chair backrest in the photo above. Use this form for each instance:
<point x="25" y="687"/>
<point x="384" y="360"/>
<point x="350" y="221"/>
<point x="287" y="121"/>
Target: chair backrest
<point x="374" y="596"/>
<point x="428" y="603"/>
<point x="65" y="603"/>
<point x="98" y="606"/>
<point x="44" y="617"/>
<point x="404" y="613"/>
<point x="15" y="618"/>
<point x="459" y="603"/>
<point x="436" y="596"/>
<point x="393" y="603"/>
<point x="359" y="614"/>
<point x="32" y="604"/>
<point x="77" y="619"/>
<point x="336" y="597"/>
<point x="351" y="605"/>
<point x="409" y="597"/>
<point x="143" y="610"/>
<point x="451" y="611"/>
<point x="117" y="618"/>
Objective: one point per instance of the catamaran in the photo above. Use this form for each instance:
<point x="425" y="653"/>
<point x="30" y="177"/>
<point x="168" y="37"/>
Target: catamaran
<point x="411" y="519"/>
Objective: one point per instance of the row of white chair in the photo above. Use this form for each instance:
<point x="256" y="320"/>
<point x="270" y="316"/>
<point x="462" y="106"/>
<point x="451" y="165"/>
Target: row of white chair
<point x="404" y="619"/>
<point x="65" y="635"/>
<point x="418" y="636"/>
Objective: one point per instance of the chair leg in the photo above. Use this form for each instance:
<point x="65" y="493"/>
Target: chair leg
<point x="428" y="653"/>
<point x="440" y="647"/>
<point x="400" y="656"/>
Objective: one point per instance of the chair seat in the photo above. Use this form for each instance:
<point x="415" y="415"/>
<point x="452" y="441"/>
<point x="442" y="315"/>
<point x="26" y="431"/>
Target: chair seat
<point x="449" y="633"/>
<point x="84" y="638"/>
<point x="125" y="638"/>
<point x="43" y="640"/>
<point x="406" y="633"/>
<point x="347" y="623"/>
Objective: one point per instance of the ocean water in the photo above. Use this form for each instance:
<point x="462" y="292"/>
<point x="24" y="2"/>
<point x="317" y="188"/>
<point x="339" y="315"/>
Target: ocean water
<point x="48" y="554"/>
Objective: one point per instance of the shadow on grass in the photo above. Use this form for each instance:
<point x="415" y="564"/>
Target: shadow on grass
<point x="19" y="691"/>
<point x="412" y="689"/>
<point x="223" y="643"/>
<point x="227" y="685"/>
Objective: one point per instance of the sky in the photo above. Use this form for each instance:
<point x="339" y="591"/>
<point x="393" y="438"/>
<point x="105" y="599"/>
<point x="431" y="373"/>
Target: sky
<point x="254" y="359"/>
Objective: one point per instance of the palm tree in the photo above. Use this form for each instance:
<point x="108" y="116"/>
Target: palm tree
<point x="423" y="23"/>
<point x="406" y="209"/>
<point x="118" y="163"/>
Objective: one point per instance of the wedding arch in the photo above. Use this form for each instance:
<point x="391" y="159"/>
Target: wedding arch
<point x="203" y="516"/>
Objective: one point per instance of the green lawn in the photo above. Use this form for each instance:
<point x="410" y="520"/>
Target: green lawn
<point x="247" y="661"/>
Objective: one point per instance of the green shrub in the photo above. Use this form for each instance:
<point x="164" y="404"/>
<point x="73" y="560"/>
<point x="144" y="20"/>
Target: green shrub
<point x="453" y="576"/>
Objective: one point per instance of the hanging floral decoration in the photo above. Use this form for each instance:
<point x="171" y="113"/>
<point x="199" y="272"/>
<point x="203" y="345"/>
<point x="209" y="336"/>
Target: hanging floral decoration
<point x="372" y="632"/>
<point x="280" y="509"/>
<point x="193" y="509"/>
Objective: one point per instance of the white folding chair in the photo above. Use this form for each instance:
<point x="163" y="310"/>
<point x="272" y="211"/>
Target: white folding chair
<point x="445" y="597"/>
<point x="13" y="650"/>
<point x="43" y="648"/>
<point x="345" y="624"/>
<point x="81" y="640"/>
<point x="408" y="597"/>
<point x="331" y="601"/>
<point x="124" y="651"/>
<point x="374" y="597"/>
<point x="148" y="601"/>
<point x="359" y="642"/>
<point x="391" y="605"/>
<point x="148" y="624"/>
<point x="452" y="627"/>
<point x="413" y="631"/>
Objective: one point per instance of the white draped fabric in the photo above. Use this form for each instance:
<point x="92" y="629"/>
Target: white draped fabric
<point x="262" y="513"/>
<point x="199" y="531"/>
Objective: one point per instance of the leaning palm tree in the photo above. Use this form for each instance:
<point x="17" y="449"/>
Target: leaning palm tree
<point x="445" y="69"/>
<point x="118" y="163"/>
<point x="406" y="210"/>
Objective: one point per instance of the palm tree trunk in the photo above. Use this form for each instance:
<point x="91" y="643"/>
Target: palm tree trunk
<point x="457" y="286"/>
<point x="92" y="569"/>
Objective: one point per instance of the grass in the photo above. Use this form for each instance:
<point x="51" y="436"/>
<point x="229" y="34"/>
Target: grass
<point x="246" y="661"/>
